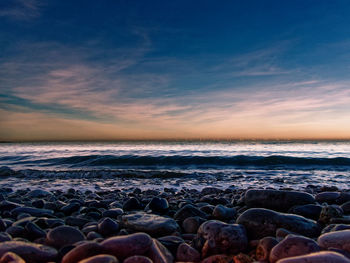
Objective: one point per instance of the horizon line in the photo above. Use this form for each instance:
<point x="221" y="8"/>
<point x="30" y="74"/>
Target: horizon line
<point x="179" y="140"/>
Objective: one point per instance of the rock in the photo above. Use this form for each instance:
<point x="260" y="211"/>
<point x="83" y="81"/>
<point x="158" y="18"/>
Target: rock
<point x="260" y="222"/>
<point x="16" y="231"/>
<point x="277" y="199"/>
<point x="191" y="224"/>
<point x="138" y="259"/>
<point x="126" y="246"/>
<point x="242" y="258"/>
<point x="158" y="204"/>
<point x="113" y="213"/>
<point x="5" y="237"/>
<point x="327" y="197"/>
<point x="329" y="212"/>
<point x="10" y="257"/>
<point x="188" y="211"/>
<point x="309" y="211"/>
<point x="93" y="235"/>
<point x="264" y="247"/>
<point x="222" y="238"/>
<point x="64" y="235"/>
<point x="132" y="204"/>
<point x="338" y="239"/>
<point x="30" y="252"/>
<point x="159" y="254"/>
<point x="319" y="257"/>
<point x="343" y="198"/>
<point x="149" y="223"/>
<point x="103" y="258"/>
<point x="70" y="208"/>
<point x="108" y="227"/>
<point x="335" y="227"/>
<point x="171" y="243"/>
<point x="224" y="213"/>
<point x="346" y="207"/>
<point x="23" y="221"/>
<point x="38" y="193"/>
<point x="38" y="203"/>
<point x="293" y="246"/>
<point x="7" y="205"/>
<point x="34" y="231"/>
<point x="76" y="221"/>
<point x="340" y="251"/>
<point x="207" y="209"/>
<point x="187" y="253"/>
<point x="3" y="225"/>
<point x="218" y="259"/>
<point x="82" y="251"/>
<point x="31" y="211"/>
<point x="210" y="190"/>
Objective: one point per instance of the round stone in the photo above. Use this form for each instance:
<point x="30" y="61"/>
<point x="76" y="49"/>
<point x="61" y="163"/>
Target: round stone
<point x="292" y="246"/>
<point x="64" y="235"/>
<point x="30" y="252"/>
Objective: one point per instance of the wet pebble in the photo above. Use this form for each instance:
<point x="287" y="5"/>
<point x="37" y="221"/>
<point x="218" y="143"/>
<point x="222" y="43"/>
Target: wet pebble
<point x="292" y="246"/>
<point x="64" y="235"/>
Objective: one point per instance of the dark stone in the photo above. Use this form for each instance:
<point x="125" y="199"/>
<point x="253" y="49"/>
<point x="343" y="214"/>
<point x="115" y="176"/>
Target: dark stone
<point x="63" y="236"/>
<point x="335" y="227"/>
<point x="30" y="252"/>
<point x="260" y="222"/>
<point x="224" y="213"/>
<point x="132" y="204"/>
<point x="38" y="193"/>
<point x="277" y="199"/>
<point x="38" y="203"/>
<point x="346" y="207"/>
<point x="108" y="227"/>
<point x="76" y="221"/>
<point x="309" y="211"/>
<point x="158" y="204"/>
<point x="191" y="224"/>
<point x="70" y="208"/>
<point x="327" y="197"/>
<point x="149" y="223"/>
<point x="34" y="231"/>
<point x="113" y="213"/>
<point x="7" y="206"/>
<point x="222" y="238"/>
<point x="32" y="211"/>
<point x="171" y="243"/>
<point x="293" y="246"/>
<point x="188" y="211"/>
<point x="16" y="231"/>
<point x="5" y="237"/>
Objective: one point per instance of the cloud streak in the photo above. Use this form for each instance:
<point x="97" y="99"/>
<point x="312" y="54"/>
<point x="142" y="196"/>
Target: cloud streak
<point x="20" y="9"/>
<point x="64" y="93"/>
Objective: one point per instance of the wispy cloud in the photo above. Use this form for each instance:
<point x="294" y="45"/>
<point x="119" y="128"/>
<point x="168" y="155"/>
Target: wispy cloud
<point x="259" y="62"/>
<point x="124" y="95"/>
<point x="20" y="9"/>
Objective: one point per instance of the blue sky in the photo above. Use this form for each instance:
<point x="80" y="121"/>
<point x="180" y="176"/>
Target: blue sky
<point x="174" y="69"/>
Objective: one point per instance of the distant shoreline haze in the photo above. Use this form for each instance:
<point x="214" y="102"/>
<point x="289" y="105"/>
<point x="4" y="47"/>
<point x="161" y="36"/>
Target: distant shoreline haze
<point x="171" y="140"/>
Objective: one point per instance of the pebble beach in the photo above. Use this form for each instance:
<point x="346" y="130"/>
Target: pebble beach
<point x="175" y="202"/>
<point x="211" y="225"/>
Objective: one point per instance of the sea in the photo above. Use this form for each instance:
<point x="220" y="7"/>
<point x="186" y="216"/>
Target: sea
<point x="175" y="164"/>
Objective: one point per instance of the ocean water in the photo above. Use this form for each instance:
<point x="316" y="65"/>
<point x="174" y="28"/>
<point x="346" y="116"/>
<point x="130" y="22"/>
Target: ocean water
<point x="110" y="165"/>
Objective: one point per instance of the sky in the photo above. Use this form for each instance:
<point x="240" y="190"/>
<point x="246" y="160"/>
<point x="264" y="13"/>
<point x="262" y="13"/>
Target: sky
<point x="114" y="70"/>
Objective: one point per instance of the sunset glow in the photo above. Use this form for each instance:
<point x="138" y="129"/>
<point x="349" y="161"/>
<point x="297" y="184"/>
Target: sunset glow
<point x="263" y="70"/>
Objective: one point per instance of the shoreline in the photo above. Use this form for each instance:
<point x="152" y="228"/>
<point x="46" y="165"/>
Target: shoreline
<point x="122" y="179"/>
<point x="210" y="225"/>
